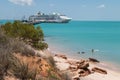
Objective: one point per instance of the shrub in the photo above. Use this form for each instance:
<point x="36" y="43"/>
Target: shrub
<point x="66" y="76"/>
<point x="20" y="47"/>
<point x="22" y="71"/>
<point x="26" y="32"/>
<point x="40" y="45"/>
<point x="5" y="53"/>
<point x="4" y="40"/>
<point x="9" y="63"/>
<point x="51" y="61"/>
<point x="52" y="75"/>
<point x="4" y="64"/>
<point x="14" y="45"/>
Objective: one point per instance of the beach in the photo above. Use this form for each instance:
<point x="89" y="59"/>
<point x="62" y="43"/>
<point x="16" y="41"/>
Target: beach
<point x="76" y="40"/>
<point x="63" y="63"/>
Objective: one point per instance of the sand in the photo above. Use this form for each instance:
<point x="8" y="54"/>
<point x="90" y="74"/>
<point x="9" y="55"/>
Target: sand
<point x="63" y="64"/>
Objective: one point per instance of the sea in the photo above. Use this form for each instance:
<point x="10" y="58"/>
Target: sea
<point x="84" y="39"/>
<point x="96" y="39"/>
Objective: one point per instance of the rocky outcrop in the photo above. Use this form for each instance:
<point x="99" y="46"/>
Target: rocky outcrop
<point x="62" y="56"/>
<point x="76" y="78"/>
<point x="73" y="68"/>
<point x="84" y="72"/>
<point x="95" y="69"/>
<point x="93" y="60"/>
<point x="78" y="69"/>
<point x="83" y="65"/>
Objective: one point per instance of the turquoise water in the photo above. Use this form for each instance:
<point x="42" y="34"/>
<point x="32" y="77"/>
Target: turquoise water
<point x="82" y="36"/>
<point x="4" y="21"/>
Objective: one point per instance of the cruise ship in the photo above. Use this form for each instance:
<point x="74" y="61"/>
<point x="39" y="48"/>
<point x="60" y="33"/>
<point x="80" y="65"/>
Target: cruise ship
<point x="47" y="18"/>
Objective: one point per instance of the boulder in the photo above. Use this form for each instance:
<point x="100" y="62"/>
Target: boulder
<point x="73" y="68"/>
<point x="84" y="72"/>
<point x="80" y="62"/>
<point x="95" y="69"/>
<point x="62" y="56"/>
<point x="71" y="62"/>
<point x="83" y="65"/>
<point x="76" y="78"/>
<point x="93" y="60"/>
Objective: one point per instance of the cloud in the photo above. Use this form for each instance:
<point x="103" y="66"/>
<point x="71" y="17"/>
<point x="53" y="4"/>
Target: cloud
<point x="101" y="6"/>
<point x="22" y="2"/>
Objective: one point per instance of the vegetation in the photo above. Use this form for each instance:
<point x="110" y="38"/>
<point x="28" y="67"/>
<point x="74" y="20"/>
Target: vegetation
<point x="11" y="45"/>
<point x="51" y="61"/>
<point x="26" y="32"/>
<point x="9" y="64"/>
<point x="52" y="75"/>
<point x="14" y="40"/>
<point x="22" y="71"/>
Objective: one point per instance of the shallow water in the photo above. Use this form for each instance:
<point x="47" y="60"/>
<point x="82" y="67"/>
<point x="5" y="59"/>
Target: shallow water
<point x="83" y="36"/>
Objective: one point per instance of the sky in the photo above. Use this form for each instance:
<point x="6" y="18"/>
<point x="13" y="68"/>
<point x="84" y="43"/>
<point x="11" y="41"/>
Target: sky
<point x="75" y="9"/>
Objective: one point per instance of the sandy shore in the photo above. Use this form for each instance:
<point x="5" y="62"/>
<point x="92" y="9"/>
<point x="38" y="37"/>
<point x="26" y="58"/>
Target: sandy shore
<point x="64" y="63"/>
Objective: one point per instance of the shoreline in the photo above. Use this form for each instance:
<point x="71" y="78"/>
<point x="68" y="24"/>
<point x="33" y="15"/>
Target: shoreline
<point x="63" y="65"/>
<point x="112" y="66"/>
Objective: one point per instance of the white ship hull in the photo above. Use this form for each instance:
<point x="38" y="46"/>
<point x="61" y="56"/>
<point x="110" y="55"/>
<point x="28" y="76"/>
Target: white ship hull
<point x="51" y="18"/>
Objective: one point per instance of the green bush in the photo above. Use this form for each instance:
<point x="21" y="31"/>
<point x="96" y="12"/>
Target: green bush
<point x="26" y="32"/>
<point x="14" y="45"/>
<point x="40" y="45"/>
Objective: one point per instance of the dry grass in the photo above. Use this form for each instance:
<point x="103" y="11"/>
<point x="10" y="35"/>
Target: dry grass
<point x="22" y="72"/>
<point x="6" y="60"/>
<point x="51" y="61"/>
<point x="20" y="47"/>
<point x="4" y="55"/>
<point x="9" y="63"/>
<point x="65" y="76"/>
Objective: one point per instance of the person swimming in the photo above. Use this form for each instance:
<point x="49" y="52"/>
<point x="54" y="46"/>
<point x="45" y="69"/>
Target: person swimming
<point x="94" y="50"/>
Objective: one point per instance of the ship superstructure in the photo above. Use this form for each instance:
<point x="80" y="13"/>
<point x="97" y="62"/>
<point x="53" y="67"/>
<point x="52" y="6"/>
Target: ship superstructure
<point x="48" y="18"/>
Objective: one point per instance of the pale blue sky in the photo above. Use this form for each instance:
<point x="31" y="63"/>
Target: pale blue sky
<point x="76" y="9"/>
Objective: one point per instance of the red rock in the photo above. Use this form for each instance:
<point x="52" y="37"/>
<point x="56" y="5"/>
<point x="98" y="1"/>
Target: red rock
<point x="73" y="68"/>
<point x="76" y="78"/>
<point x="83" y="65"/>
<point x="84" y="72"/>
<point x="93" y="60"/>
<point x="95" y="69"/>
<point x="62" y="56"/>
